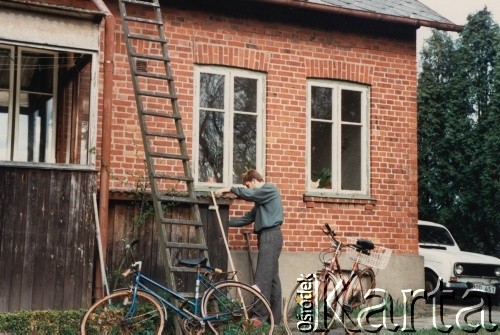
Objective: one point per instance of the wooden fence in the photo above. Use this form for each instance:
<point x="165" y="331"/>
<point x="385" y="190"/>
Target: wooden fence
<point x="48" y="253"/>
<point x="47" y="238"/>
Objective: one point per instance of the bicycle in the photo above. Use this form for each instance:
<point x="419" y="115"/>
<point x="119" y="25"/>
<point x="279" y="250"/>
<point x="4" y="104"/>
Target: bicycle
<point x="224" y="306"/>
<point x="329" y="294"/>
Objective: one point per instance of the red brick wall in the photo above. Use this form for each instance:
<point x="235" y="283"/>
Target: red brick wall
<point x="289" y="55"/>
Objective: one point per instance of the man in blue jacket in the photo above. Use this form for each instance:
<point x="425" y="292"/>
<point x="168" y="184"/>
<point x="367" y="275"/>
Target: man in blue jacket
<point x="267" y="216"/>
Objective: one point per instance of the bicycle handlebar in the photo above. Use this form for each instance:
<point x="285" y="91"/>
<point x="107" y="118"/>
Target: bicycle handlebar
<point x="363" y="246"/>
<point x="136" y="266"/>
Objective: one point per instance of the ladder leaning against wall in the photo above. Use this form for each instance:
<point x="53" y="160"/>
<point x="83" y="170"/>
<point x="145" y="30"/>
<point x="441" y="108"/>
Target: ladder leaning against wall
<point x="167" y="160"/>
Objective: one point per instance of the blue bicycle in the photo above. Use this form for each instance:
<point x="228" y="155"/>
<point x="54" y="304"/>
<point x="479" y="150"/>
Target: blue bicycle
<point x="224" y="307"/>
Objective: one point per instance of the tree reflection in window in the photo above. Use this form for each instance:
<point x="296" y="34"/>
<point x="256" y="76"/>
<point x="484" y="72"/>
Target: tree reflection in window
<point x="244" y="126"/>
<point x="321" y="136"/>
<point x="229" y="115"/>
<point x="211" y="125"/>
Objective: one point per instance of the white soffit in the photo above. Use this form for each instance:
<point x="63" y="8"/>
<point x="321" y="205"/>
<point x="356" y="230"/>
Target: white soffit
<point x="50" y="30"/>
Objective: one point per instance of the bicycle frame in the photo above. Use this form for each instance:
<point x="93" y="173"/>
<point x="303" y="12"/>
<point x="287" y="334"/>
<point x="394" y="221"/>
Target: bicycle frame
<point x="146" y="284"/>
<point x="331" y="294"/>
<point x="334" y="269"/>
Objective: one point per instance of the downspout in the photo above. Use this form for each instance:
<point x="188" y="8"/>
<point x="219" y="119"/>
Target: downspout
<point x="107" y="98"/>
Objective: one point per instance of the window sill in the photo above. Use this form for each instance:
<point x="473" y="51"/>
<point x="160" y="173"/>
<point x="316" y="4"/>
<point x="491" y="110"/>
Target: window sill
<point x="312" y="199"/>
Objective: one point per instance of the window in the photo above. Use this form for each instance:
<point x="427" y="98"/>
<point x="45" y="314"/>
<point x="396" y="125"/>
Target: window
<point x="338" y="138"/>
<point x="434" y="235"/>
<point x="44" y="105"/>
<point x="229" y="124"/>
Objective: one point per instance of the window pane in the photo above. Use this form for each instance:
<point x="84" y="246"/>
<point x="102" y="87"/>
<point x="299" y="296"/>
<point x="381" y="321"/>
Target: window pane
<point x="321" y="154"/>
<point x="5" y="61"/>
<point x="351" y="157"/>
<point x="351" y="106"/>
<point x="211" y="150"/>
<point x="245" y="145"/>
<point x="245" y="94"/>
<point x="36" y="108"/>
<point x="5" y="68"/>
<point x="434" y="235"/>
<point x="34" y="140"/>
<point x="74" y="108"/>
<point x="4" y="130"/>
<point x="37" y="72"/>
<point x="321" y="104"/>
<point x="211" y="90"/>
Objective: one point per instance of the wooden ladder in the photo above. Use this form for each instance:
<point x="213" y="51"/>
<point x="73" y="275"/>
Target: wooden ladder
<point x="167" y="160"/>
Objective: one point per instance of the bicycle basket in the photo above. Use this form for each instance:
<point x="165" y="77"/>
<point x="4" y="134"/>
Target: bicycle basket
<point x="216" y="277"/>
<point x="378" y="257"/>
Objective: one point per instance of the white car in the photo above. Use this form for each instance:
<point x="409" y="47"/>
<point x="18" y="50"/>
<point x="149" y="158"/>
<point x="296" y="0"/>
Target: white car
<point x="458" y="269"/>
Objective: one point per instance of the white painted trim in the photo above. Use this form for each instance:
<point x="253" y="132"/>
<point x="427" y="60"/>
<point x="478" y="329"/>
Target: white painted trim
<point x="336" y="122"/>
<point x="48" y="30"/>
<point x="229" y="74"/>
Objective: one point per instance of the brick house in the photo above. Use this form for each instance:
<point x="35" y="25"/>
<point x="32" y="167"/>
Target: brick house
<point x="318" y="95"/>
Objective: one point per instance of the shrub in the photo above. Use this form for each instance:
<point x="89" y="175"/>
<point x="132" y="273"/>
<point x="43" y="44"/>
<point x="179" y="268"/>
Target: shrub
<point x="42" y="322"/>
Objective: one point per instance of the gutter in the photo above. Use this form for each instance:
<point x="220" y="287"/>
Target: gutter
<point x="366" y="15"/>
<point x="107" y="98"/>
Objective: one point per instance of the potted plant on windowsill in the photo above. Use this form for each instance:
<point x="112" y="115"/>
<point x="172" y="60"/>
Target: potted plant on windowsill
<point x="323" y="177"/>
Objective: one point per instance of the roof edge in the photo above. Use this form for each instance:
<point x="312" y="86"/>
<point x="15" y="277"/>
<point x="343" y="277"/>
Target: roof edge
<point x="367" y="15"/>
<point x="66" y="11"/>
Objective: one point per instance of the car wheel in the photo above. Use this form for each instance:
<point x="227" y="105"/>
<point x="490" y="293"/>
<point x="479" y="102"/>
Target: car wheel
<point x="431" y="281"/>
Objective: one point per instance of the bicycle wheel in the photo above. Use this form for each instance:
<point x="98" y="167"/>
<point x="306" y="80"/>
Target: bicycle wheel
<point x="231" y="307"/>
<point x="109" y="315"/>
<point x="313" y="305"/>
<point x="363" y="281"/>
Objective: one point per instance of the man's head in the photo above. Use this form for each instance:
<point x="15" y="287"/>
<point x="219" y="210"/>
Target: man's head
<point x="250" y="176"/>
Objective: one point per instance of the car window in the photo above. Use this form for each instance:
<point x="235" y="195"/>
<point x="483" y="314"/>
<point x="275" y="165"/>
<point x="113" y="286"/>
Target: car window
<point x="435" y="235"/>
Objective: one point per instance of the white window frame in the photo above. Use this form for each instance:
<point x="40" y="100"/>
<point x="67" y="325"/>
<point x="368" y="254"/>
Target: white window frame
<point x="10" y="110"/>
<point x="229" y="74"/>
<point x="336" y="190"/>
<point x="93" y="107"/>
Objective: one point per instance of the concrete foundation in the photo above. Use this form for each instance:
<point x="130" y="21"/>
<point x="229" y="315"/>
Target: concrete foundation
<point x="404" y="272"/>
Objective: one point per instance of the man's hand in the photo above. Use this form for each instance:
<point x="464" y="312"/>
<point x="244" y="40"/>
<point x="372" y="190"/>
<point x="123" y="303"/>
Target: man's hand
<point x="222" y="191"/>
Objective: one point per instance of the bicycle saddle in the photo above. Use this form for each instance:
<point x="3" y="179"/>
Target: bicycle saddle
<point x="192" y="262"/>
<point x="364" y="245"/>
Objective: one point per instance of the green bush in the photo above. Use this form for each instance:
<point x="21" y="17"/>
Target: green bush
<point x="42" y="322"/>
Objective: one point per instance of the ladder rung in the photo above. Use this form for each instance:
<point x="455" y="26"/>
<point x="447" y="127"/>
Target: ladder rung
<point x="169" y="156"/>
<point x="173" y="177"/>
<point x="161" y="114"/>
<point x="157" y="95"/>
<point x="191" y="246"/>
<point x="165" y="135"/>
<point x="153" y="75"/>
<point x="152" y="57"/>
<point x="147" y="38"/>
<point x="144" y="3"/>
<point x="143" y="20"/>
<point x="186" y="200"/>
<point x="182" y="222"/>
